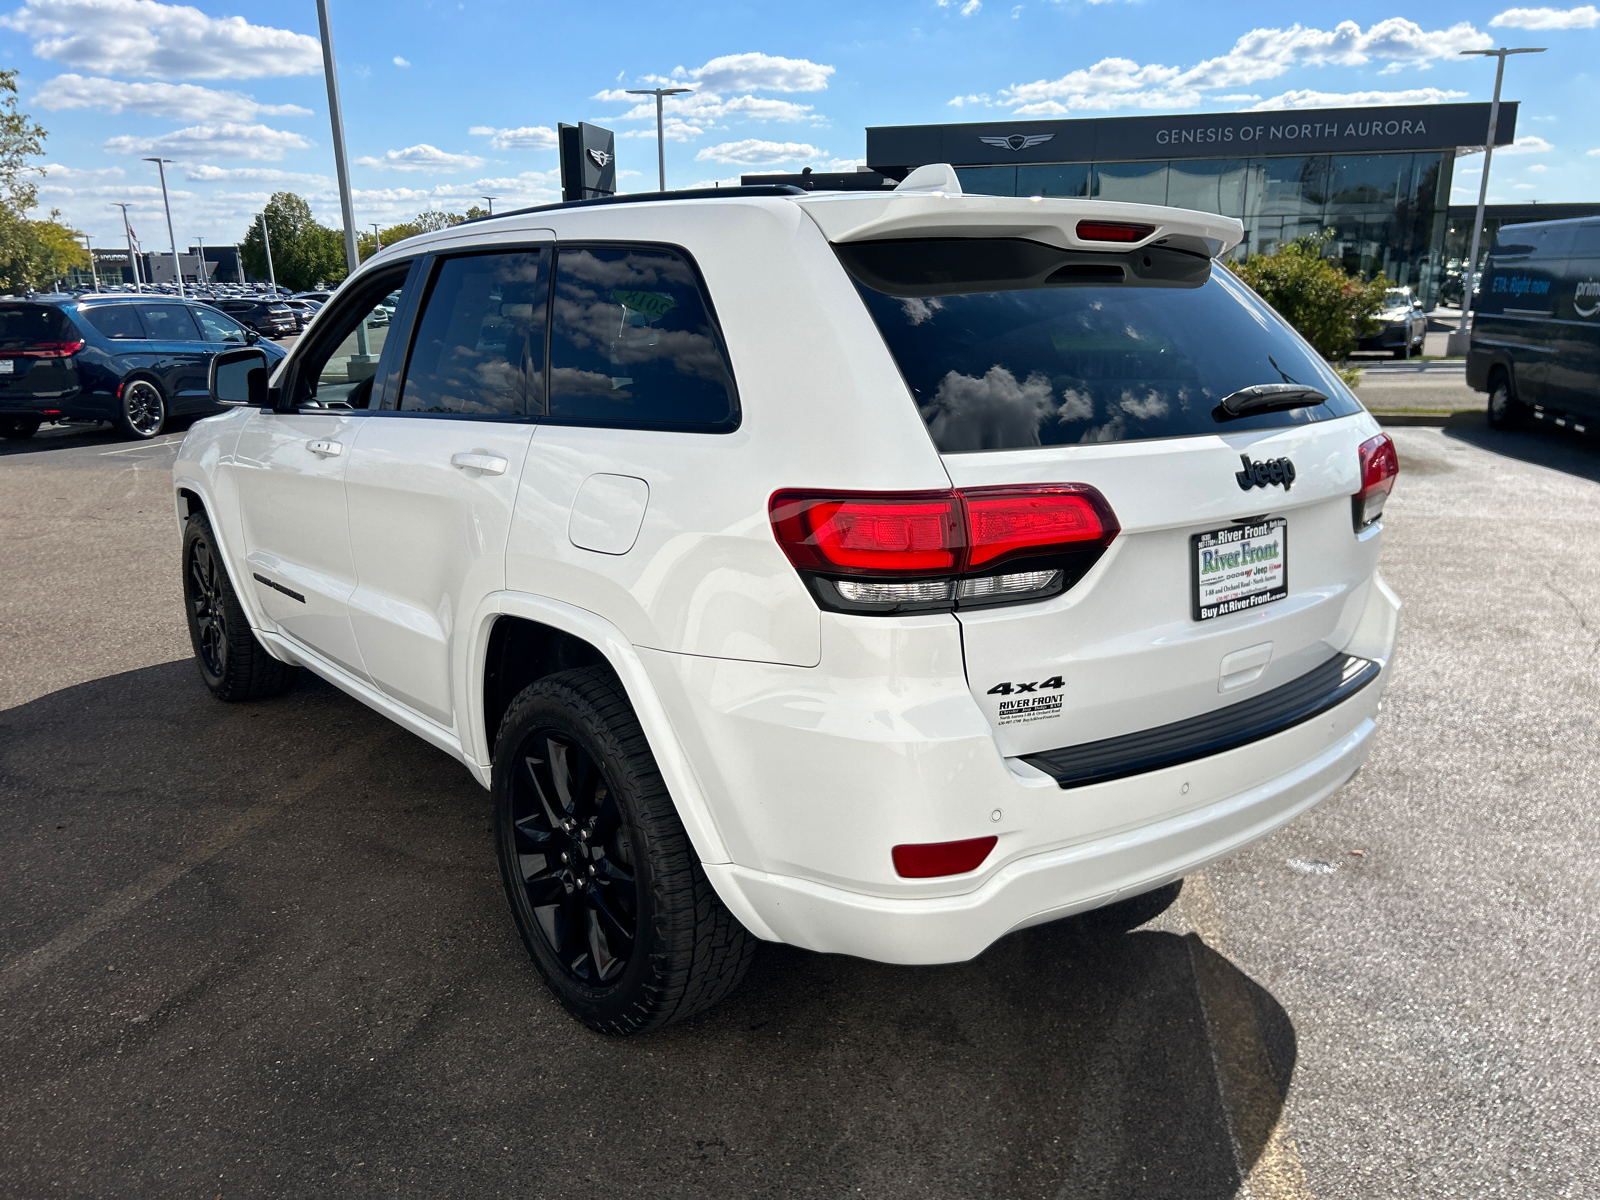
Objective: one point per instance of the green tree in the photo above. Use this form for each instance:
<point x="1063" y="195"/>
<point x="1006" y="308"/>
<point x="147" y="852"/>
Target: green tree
<point x="424" y="222"/>
<point x="304" y="251"/>
<point x="33" y="253"/>
<point x="50" y="251"/>
<point x="1330" y="309"/>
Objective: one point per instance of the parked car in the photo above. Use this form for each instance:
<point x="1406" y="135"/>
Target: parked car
<point x="1404" y="325"/>
<point x="1535" y="346"/>
<point x="880" y="579"/>
<point x="135" y="361"/>
<point x="268" y="317"/>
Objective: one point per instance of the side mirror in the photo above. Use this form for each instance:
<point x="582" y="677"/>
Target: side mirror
<point x="251" y="336"/>
<point x="239" y="377"/>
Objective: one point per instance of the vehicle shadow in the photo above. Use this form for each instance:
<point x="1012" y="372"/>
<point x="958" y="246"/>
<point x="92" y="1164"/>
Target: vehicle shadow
<point x="60" y="437"/>
<point x="1543" y="444"/>
<point x="366" y="1017"/>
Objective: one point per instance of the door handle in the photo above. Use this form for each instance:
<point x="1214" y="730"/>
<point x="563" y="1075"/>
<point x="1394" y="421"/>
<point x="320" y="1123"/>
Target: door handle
<point x="325" y="448"/>
<point x="489" y="464"/>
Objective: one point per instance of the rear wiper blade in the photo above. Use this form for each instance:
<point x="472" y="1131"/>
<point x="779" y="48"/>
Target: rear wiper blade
<point x="1268" y="397"/>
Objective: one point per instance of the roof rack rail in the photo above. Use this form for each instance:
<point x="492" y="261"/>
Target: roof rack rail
<point x="756" y="189"/>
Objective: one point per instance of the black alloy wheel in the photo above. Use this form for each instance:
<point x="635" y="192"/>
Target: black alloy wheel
<point x="19" y="427"/>
<point x="144" y="409"/>
<point x="574" y="857"/>
<point x="208" y="618"/>
<point x="1505" y="410"/>
<point x="233" y="663"/>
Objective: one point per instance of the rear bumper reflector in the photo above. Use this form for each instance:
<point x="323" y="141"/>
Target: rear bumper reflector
<point x="1318" y="690"/>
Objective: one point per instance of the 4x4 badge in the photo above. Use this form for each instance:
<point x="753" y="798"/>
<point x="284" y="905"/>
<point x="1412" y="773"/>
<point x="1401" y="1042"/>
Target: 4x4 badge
<point x="1267" y="471"/>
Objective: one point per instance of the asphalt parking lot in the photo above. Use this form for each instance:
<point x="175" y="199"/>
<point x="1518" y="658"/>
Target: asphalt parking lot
<point x="262" y="950"/>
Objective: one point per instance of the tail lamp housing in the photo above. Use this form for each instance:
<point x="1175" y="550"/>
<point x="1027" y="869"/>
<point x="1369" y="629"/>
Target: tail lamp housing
<point x="887" y="552"/>
<point x="1380" y="463"/>
<point x="48" y="350"/>
<point x="930" y="860"/>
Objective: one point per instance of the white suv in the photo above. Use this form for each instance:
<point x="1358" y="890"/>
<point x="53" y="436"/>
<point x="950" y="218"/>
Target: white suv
<point x="877" y="573"/>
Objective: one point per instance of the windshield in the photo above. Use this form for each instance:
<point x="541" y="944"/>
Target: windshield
<point x="1007" y="343"/>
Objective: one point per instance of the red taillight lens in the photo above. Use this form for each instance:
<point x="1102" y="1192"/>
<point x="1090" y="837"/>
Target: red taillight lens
<point x="915" y="533"/>
<point x="926" y="860"/>
<point x="1379" y="465"/>
<point x="1004" y="522"/>
<point x="52" y="349"/>
<point x="1113" y="231"/>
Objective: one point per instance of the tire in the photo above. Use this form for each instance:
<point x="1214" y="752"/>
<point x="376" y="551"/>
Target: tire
<point x="604" y="887"/>
<point x="234" y="665"/>
<point x="1505" y="411"/>
<point x="19" y="427"/>
<point x="142" y="411"/>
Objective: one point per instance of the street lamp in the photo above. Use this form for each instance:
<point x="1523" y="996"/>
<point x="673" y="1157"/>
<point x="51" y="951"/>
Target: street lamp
<point x="1460" y="341"/>
<point x="132" y="261"/>
<point x="93" y="274"/>
<point x="177" y="266"/>
<point x="347" y="208"/>
<point x="661" y="145"/>
<point x="203" y="280"/>
<point x="266" y="243"/>
<point x="491" y="200"/>
<point x="377" y="240"/>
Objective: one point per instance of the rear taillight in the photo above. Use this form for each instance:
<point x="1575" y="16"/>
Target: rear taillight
<point x="927" y="860"/>
<point x="50" y="350"/>
<point x="1113" y="231"/>
<point x="1379" y="466"/>
<point x="895" y="552"/>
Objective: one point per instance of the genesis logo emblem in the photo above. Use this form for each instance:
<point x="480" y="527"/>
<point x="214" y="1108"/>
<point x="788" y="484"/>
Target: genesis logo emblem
<point x="600" y="157"/>
<point x="1261" y="474"/>
<point x="1017" y="141"/>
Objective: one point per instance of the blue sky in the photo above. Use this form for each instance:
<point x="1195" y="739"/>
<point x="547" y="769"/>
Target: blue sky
<point x="447" y="99"/>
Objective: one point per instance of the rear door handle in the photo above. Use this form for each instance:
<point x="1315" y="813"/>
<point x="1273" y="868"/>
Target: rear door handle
<point x="325" y="448"/>
<point x="489" y="464"/>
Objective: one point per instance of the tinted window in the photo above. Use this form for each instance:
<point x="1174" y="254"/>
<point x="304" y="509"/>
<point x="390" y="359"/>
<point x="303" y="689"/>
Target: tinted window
<point x="339" y="364"/>
<point x="631" y="343"/>
<point x="1007" y="343"/>
<point x="115" y="320"/>
<point x="216" y="327"/>
<point x="24" y="325"/>
<point x="169" y="322"/>
<point x="479" y="347"/>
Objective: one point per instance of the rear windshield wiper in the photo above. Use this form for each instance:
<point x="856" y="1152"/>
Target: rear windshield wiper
<point x="1267" y="397"/>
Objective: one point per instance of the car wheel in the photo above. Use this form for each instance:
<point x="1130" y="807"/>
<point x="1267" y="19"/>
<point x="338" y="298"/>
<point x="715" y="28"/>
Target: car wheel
<point x="605" y="889"/>
<point x="233" y="663"/>
<point x="19" y="427"/>
<point x="1505" y="410"/>
<point x="143" y="412"/>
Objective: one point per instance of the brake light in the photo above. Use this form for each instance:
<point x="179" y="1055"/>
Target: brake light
<point x="1379" y="465"/>
<point x="1007" y="522"/>
<point x="928" y="860"/>
<point x="1113" y="231"/>
<point x="50" y="350"/>
<point x="869" y="535"/>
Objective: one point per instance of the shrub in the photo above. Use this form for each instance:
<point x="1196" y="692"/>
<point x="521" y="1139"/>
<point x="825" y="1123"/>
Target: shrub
<point x="1328" y="307"/>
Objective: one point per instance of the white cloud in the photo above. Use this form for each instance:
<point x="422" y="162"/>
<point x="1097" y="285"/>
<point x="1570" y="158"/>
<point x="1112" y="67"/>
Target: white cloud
<point x="970" y="7"/>
<point x="1528" y="143"/>
<point x="753" y="152"/>
<point x="1305" y="98"/>
<point x="1585" y="17"/>
<point x="206" y="173"/>
<point x="760" y="73"/>
<point x="1536" y="167"/>
<point x="1259" y="55"/>
<point x="400" y="62"/>
<point x="1523" y="187"/>
<point x="157" y="100"/>
<point x="528" y="137"/>
<point x="690" y="116"/>
<point x="1593" y="153"/>
<point x="1236" y="98"/>
<point x="60" y="174"/>
<point x="227" y="140"/>
<point x="980" y="99"/>
<point x="142" y="37"/>
<point x="423" y="157"/>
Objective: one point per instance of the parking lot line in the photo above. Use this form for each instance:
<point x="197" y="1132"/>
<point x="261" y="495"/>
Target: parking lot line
<point x="1264" y="1149"/>
<point x="142" y="446"/>
<point x="28" y="964"/>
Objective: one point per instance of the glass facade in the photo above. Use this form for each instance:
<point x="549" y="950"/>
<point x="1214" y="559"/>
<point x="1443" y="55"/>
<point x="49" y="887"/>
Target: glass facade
<point x="1387" y="211"/>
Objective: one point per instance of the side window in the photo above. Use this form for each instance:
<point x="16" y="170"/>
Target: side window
<point x="218" y="328"/>
<point x="338" y="368"/>
<point x="169" y="322"/>
<point x="632" y="344"/>
<point x="479" y="346"/>
<point x="120" y="322"/>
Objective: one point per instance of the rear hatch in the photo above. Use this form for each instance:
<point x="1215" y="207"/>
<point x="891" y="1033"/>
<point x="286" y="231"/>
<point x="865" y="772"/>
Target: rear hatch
<point x="1238" y="566"/>
<point x="37" y="342"/>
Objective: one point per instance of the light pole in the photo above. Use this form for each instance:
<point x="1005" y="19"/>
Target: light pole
<point x="93" y="274"/>
<point x="202" y="245"/>
<point x="266" y="241"/>
<point x="1461" y="341"/>
<point x="491" y="200"/>
<point x="177" y="266"/>
<point x="347" y="208"/>
<point x="661" y="145"/>
<point x="377" y="236"/>
<point x="132" y="261"/>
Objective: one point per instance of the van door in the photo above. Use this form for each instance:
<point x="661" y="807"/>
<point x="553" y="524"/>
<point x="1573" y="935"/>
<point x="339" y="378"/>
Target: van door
<point x="1575" y="367"/>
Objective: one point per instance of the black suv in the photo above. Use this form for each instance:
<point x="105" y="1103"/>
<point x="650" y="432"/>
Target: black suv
<point x="267" y="316"/>
<point x="130" y="360"/>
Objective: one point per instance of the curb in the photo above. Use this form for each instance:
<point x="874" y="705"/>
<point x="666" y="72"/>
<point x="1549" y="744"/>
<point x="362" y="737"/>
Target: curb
<point x="1471" y="418"/>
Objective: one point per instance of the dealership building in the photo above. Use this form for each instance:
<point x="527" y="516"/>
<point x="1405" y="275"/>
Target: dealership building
<point x="1378" y="177"/>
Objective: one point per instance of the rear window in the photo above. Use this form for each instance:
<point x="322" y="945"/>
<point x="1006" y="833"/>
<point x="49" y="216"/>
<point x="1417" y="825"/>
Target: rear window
<point x="1007" y="343"/>
<point x="25" y="325"/>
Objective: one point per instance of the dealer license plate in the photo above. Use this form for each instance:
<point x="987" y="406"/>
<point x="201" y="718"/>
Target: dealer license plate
<point x="8" y="366"/>
<point x="1240" y="567"/>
